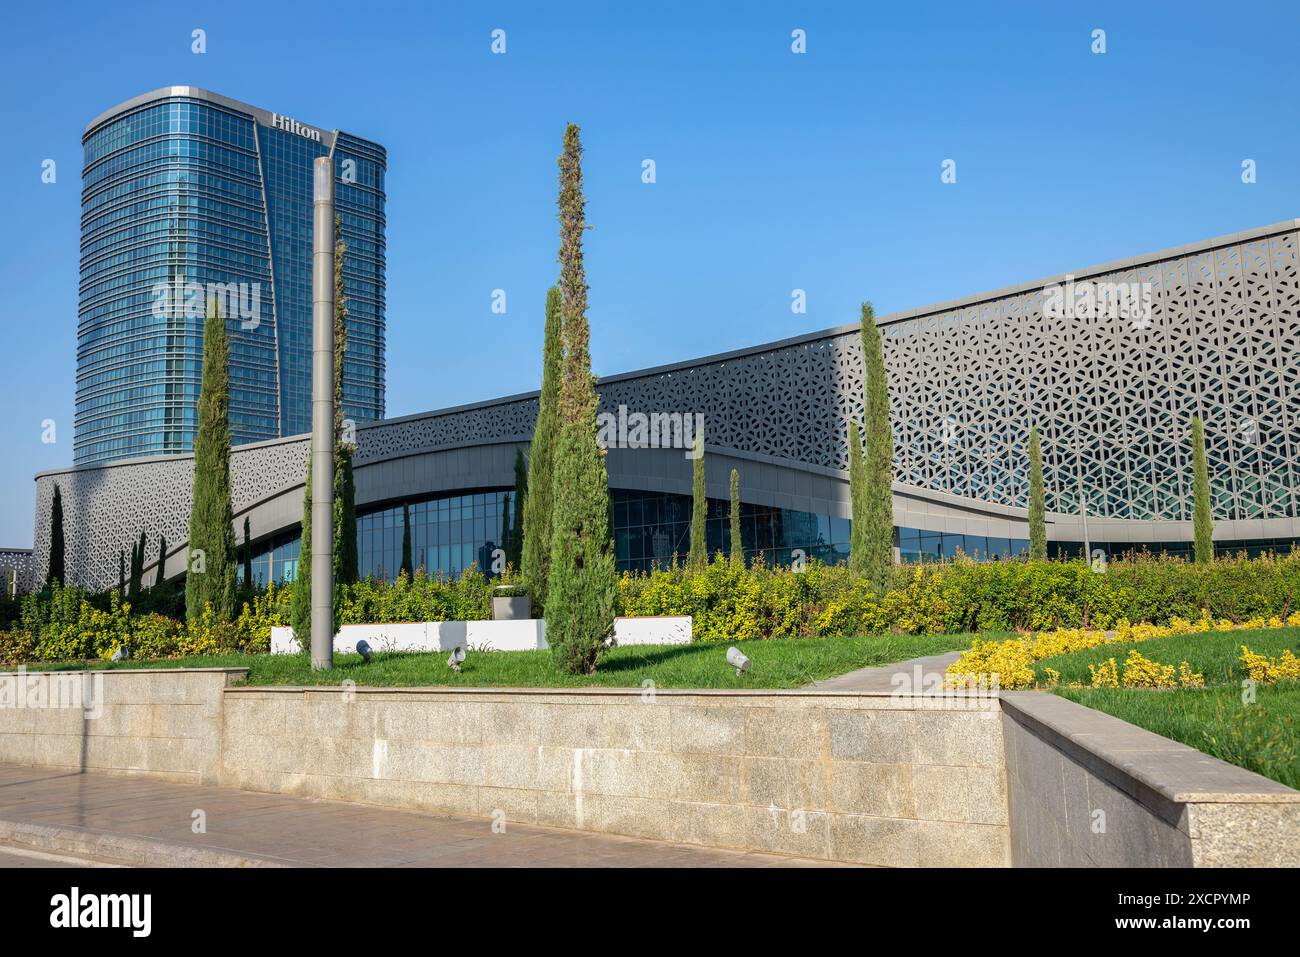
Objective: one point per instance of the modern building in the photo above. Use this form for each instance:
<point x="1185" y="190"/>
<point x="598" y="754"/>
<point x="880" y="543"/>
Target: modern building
<point x="1110" y="362"/>
<point x="188" y="194"/>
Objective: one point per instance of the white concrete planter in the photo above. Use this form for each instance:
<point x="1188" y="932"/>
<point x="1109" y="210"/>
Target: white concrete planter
<point x="658" y="630"/>
<point x="528" y="634"/>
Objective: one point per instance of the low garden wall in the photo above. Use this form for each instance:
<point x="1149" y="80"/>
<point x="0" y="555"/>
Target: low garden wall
<point x="868" y="779"/>
<point x="1085" y="789"/>
<point x="164" y="722"/>
<point x="1022" y="778"/>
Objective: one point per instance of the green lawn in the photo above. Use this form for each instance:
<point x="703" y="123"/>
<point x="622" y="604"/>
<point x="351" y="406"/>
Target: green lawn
<point x="1263" y="736"/>
<point x="774" y="664"/>
<point x="1216" y="655"/>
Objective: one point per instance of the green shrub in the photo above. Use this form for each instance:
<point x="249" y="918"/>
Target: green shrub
<point x="419" y="598"/>
<point x="268" y="609"/>
<point x="208" y="634"/>
<point x="16" y="647"/>
<point x="154" y="636"/>
<point x="92" y="633"/>
<point x="727" y="602"/>
<point x="963" y="595"/>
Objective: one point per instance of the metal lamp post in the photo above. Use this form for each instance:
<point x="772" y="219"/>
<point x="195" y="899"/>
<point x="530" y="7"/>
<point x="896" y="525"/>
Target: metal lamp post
<point x="322" y="416"/>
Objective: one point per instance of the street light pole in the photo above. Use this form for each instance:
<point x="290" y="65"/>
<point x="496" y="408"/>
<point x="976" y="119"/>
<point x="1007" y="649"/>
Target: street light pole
<point x="322" y="416"/>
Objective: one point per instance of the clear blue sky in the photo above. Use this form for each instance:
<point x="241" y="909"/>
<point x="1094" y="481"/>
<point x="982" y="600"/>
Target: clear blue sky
<point x="775" y="171"/>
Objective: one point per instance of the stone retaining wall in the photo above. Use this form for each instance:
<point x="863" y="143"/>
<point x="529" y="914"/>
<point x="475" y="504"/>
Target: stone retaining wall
<point x="1028" y="779"/>
<point x="165" y="722"/>
<point x="859" y="778"/>
<point x="1088" y="790"/>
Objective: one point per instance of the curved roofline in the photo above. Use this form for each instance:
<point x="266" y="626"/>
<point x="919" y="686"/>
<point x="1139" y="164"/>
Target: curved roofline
<point x="1287" y="225"/>
<point x="198" y="93"/>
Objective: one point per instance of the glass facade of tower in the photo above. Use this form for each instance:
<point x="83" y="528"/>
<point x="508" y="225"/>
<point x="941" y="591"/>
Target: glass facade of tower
<point x="189" y="196"/>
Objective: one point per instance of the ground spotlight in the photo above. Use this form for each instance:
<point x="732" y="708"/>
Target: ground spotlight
<point x="122" y="654"/>
<point x="455" y="658"/>
<point x="737" y="660"/>
<point x="363" y="649"/>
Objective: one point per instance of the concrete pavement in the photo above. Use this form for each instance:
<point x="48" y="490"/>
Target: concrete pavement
<point x="139" y="821"/>
<point x="882" y="677"/>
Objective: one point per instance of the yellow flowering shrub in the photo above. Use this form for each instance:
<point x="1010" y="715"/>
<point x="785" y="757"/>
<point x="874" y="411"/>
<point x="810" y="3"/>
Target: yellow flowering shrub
<point x="1188" y="678"/>
<point x="1105" y="675"/>
<point x="1142" y="672"/>
<point x="1008" y="660"/>
<point x="1018" y="655"/>
<point x="1266" y="671"/>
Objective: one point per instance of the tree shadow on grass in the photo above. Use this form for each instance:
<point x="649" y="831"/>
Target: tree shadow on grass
<point x="634" y="661"/>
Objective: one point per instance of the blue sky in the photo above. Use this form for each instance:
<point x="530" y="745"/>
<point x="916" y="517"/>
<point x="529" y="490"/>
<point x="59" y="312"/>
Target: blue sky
<point x="775" y="171"/>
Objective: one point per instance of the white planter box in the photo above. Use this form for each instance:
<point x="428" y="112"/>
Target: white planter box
<point x="528" y="634"/>
<point x="666" y="630"/>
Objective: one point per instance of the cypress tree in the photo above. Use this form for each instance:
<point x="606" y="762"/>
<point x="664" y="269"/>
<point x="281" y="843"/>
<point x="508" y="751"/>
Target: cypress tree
<point x="248" y="555"/>
<point x="506" y="548"/>
<point x="300" y="601"/>
<point x="878" y="495"/>
<point x="1037" y="506"/>
<point x="535" y="558"/>
<point x="698" y="556"/>
<point x="737" y="544"/>
<point x="407" y="566"/>
<point x="582" y="583"/>
<point x="130" y="571"/>
<point x="211" y="519"/>
<point x="857" y="503"/>
<point x="121" y="574"/>
<point x="1202" y="518"/>
<point x="55" y="572"/>
<point x="136" y="583"/>
<point x="159" y="577"/>
<point x="515" y="550"/>
<point x="345" y="489"/>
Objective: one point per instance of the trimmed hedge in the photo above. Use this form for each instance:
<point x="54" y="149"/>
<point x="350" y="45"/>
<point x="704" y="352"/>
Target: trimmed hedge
<point x="960" y="596"/>
<point x="727" y="603"/>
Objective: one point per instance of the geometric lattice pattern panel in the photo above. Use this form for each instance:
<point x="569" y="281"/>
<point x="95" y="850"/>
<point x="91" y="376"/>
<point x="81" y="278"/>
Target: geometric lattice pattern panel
<point x="105" y="509"/>
<point x="1113" y="398"/>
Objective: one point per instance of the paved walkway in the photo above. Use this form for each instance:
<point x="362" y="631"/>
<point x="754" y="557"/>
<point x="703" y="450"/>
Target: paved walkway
<point x="881" y="677"/>
<point x="136" y="820"/>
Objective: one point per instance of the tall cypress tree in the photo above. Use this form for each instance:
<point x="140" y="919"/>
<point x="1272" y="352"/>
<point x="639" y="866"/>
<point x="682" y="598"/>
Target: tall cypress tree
<point x="248" y="555"/>
<point x="160" y="577"/>
<point x="211" y="518"/>
<point x="408" y="567"/>
<point x="582" y="584"/>
<point x="136" y="584"/>
<point x="535" y="560"/>
<point x="698" y="556"/>
<point x="515" y="550"/>
<point x="345" y="489"/>
<point x="1202" y="518"/>
<point x="300" y="601"/>
<point x="55" y="572"/>
<point x="1037" y="503"/>
<point x="857" y="503"/>
<point x="737" y="544"/>
<point x="878" y="495"/>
